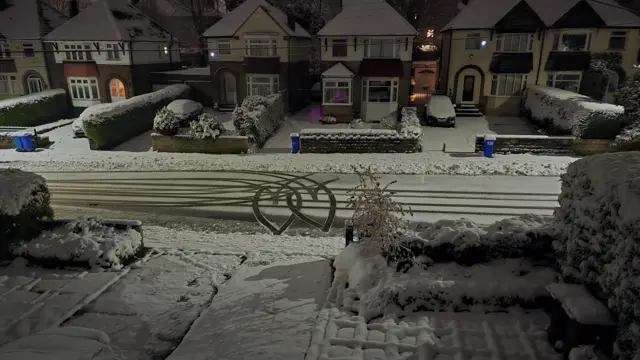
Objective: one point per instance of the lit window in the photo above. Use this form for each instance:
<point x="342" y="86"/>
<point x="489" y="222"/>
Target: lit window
<point x="336" y="92"/>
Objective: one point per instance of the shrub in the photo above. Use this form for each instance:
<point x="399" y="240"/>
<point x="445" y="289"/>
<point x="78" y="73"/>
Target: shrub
<point x="206" y="127"/>
<point x="329" y="119"/>
<point x="628" y="94"/>
<point x="35" y="109"/>
<point x="109" y="126"/>
<point x="185" y="110"/>
<point x="599" y="125"/>
<point x="166" y="122"/>
<point x="389" y="122"/>
<point x="258" y="117"/>
<point x="629" y="138"/>
<point x="409" y="123"/>
<point x="357" y="124"/>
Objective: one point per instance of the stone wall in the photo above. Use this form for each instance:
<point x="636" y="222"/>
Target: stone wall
<point x="357" y="141"/>
<point x="534" y="144"/>
<point x="186" y="144"/>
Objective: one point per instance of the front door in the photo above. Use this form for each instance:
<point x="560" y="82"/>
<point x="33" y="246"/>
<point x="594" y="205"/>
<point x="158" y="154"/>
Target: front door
<point x="468" y="88"/>
<point x="228" y="88"/>
<point x="118" y="92"/>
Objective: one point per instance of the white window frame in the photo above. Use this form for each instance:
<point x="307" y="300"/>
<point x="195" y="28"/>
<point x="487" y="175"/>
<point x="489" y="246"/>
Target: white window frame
<point x="393" y="92"/>
<point x="11" y="81"/>
<point x="552" y="79"/>
<point x="28" y="50"/>
<point x="88" y="85"/>
<point x="224" y="47"/>
<point x="341" y="42"/>
<point x="258" y="79"/>
<point x="500" y="83"/>
<point x="618" y="35"/>
<point x="5" y="49"/>
<point x="505" y="42"/>
<point x="77" y="51"/>
<point x="470" y="41"/>
<point x="113" y="52"/>
<point x="395" y="43"/>
<point x="38" y="83"/>
<point x="334" y="84"/>
<point x="560" y="47"/>
<point x="261" y="43"/>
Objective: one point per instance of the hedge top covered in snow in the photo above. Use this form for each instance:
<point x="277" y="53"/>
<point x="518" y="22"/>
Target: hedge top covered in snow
<point x="33" y="98"/>
<point x="101" y="113"/>
<point x="16" y="187"/>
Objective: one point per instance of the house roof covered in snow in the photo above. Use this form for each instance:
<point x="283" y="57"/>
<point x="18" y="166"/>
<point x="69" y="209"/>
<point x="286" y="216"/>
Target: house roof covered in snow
<point x="338" y="70"/>
<point x="485" y="14"/>
<point x="20" y="20"/>
<point x="110" y="20"/>
<point x="367" y="17"/>
<point x="230" y="23"/>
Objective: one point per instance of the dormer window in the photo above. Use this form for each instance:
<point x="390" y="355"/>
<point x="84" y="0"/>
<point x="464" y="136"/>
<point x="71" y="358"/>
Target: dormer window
<point x="574" y="41"/>
<point x="514" y="43"/>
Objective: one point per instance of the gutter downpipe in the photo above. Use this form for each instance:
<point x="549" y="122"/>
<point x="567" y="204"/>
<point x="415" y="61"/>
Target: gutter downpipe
<point x="133" y="80"/>
<point x="544" y="33"/>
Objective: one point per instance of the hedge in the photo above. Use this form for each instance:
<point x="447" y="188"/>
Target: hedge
<point x="111" y="125"/>
<point x="35" y="109"/>
<point x="258" y="117"/>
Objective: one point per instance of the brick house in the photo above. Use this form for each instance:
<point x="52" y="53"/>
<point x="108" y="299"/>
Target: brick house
<point x="23" y="64"/>
<point x="257" y="50"/>
<point x="107" y="52"/>
<point x="366" y="61"/>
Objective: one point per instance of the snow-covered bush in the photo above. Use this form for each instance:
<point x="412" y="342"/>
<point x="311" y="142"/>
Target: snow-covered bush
<point x="357" y="124"/>
<point x="329" y="119"/>
<point x="258" y="117"/>
<point x="629" y="137"/>
<point x="166" y="122"/>
<point x="24" y="200"/>
<point x="599" y="125"/>
<point x="206" y="127"/>
<point x="598" y="227"/>
<point x="563" y="111"/>
<point x="390" y="122"/>
<point x="185" y="110"/>
<point x="628" y="94"/>
<point x="112" y="124"/>
<point x="409" y="122"/>
<point x="84" y="240"/>
<point x="377" y="217"/>
<point x="35" y="109"/>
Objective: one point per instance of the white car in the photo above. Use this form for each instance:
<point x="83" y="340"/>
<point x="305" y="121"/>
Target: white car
<point x="440" y="111"/>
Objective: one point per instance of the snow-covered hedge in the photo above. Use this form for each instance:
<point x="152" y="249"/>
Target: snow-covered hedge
<point x="568" y="112"/>
<point x="35" y="109"/>
<point x="258" y="117"/>
<point x="110" y="125"/>
<point x="598" y="227"/>
<point x="206" y="126"/>
<point x="409" y="122"/>
<point x="629" y="137"/>
<point x="24" y="200"/>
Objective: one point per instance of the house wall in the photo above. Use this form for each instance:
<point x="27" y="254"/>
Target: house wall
<point x="153" y="53"/>
<point x="355" y="48"/>
<point x="25" y="66"/>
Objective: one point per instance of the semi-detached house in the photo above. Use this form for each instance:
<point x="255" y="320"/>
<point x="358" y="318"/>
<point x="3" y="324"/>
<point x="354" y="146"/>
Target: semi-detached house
<point x="107" y="52"/>
<point x="493" y="49"/>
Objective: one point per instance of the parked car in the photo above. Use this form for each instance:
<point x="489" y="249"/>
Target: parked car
<point x="185" y="110"/>
<point x="440" y="111"/>
<point x="76" y="126"/>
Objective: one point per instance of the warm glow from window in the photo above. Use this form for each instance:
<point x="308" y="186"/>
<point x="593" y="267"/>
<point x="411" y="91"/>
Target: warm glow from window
<point x="430" y="33"/>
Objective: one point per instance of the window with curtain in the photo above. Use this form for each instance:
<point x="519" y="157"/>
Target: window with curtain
<point x="336" y="92"/>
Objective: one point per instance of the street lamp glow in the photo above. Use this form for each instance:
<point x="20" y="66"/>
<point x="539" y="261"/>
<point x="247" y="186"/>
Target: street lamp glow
<point x="483" y="43"/>
<point x="213" y="54"/>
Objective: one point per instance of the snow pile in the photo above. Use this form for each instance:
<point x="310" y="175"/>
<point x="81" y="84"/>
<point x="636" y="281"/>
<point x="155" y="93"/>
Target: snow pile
<point x="19" y="188"/>
<point x="206" y="126"/>
<point x="389" y="122"/>
<point x="329" y="119"/>
<point x="166" y="122"/>
<point x="368" y="287"/>
<point x="32" y="98"/>
<point x="598" y="226"/>
<point x="409" y="122"/>
<point x="185" y="110"/>
<point x="85" y="240"/>
<point x="357" y="124"/>
<point x="566" y="110"/>
<point x="258" y="117"/>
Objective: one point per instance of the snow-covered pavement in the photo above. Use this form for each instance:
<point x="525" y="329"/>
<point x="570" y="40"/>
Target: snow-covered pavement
<point x="279" y="201"/>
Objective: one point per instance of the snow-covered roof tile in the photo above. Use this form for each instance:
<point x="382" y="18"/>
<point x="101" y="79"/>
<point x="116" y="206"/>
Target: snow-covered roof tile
<point x="110" y="20"/>
<point x="230" y="23"/>
<point x="20" y="20"/>
<point x="368" y="17"/>
<point x="338" y="70"/>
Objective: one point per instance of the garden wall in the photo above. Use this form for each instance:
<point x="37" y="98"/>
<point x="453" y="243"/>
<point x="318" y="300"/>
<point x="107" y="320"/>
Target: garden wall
<point x="357" y="141"/>
<point x="186" y="144"/>
<point x="533" y="144"/>
<point x="598" y="227"/>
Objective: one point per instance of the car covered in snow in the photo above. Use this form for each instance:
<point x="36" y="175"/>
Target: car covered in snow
<point x="76" y="126"/>
<point x="440" y="111"/>
<point x="185" y="110"/>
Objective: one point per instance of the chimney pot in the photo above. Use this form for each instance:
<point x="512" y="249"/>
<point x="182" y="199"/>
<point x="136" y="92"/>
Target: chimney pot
<point x="72" y="8"/>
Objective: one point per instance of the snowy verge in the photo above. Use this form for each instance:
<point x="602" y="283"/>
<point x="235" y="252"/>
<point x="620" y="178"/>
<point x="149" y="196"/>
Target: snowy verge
<point x="428" y="163"/>
<point x="83" y="241"/>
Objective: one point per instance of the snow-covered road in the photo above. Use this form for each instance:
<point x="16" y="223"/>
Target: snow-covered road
<point x="278" y="200"/>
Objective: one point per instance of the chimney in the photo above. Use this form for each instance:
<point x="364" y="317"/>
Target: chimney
<point x="291" y="22"/>
<point x="72" y="8"/>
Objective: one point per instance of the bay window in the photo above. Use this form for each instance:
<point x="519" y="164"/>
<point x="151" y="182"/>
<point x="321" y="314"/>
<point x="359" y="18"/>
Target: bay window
<point x="382" y="48"/>
<point x="263" y="85"/>
<point x="84" y="88"/>
<point x="514" y="42"/>
<point x="565" y="81"/>
<point x="508" y="84"/>
<point x="336" y="91"/>
<point x="574" y="41"/>
<point x="382" y="91"/>
<point x="77" y="52"/>
<point x="5" y="51"/>
<point x="8" y="84"/>
<point x="261" y="47"/>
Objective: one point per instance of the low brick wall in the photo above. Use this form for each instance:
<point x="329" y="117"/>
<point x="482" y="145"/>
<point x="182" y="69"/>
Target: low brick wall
<point x="534" y="144"/>
<point x="327" y="141"/>
<point x="585" y="147"/>
<point x="186" y="144"/>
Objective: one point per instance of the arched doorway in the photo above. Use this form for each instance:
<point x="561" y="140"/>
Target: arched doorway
<point x="117" y="90"/>
<point x="469" y="82"/>
<point x="35" y="84"/>
<point x="228" y="91"/>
